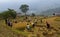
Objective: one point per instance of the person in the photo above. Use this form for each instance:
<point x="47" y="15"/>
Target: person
<point x="26" y="17"/>
<point x="9" y="23"/>
<point x="5" y="21"/>
<point x="34" y="24"/>
<point x="41" y="20"/>
<point x="29" y="20"/>
<point x="15" y="21"/>
<point x="48" y="25"/>
<point x="28" y="27"/>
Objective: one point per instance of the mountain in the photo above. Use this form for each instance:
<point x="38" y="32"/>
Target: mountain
<point x="51" y="11"/>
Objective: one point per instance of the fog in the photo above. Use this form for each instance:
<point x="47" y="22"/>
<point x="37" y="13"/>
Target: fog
<point x="34" y="5"/>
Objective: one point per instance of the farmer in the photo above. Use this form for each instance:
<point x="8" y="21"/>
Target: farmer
<point x="26" y="17"/>
<point x="15" y="21"/>
<point x="34" y="24"/>
<point x="28" y="27"/>
<point x="41" y="20"/>
<point x="6" y="21"/>
<point x="9" y="23"/>
<point x="48" y="25"/>
<point x="29" y="20"/>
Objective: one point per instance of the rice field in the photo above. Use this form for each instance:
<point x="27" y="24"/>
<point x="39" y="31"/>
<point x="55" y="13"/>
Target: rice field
<point x="40" y="30"/>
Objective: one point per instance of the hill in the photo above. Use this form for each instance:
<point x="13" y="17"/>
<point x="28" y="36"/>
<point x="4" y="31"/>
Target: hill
<point x="51" y="11"/>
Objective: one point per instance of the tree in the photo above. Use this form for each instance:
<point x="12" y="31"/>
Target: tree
<point x="33" y="14"/>
<point x="9" y="13"/>
<point x="54" y="14"/>
<point x="5" y="15"/>
<point x="24" y="8"/>
<point x="0" y="16"/>
<point x="12" y="13"/>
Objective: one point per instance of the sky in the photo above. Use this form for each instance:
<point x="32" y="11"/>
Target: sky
<point x="34" y="5"/>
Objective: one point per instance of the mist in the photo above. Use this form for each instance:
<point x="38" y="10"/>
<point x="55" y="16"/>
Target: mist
<point x="34" y="5"/>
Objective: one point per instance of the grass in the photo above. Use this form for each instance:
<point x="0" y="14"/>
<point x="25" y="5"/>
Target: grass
<point x="57" y="19"/>
<point x="6" y="31"/>
<point x="18" y="29"/>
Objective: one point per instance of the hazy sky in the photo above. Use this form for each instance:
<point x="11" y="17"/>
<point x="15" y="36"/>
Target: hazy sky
<point x="34" y="5"/>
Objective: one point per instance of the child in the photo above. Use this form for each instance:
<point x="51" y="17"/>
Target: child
<point x="28" y="27"/>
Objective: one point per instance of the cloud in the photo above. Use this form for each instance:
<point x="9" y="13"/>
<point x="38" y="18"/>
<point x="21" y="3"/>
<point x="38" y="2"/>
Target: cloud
<point x="7" y="1"/>
<point x="37" y="5"/>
